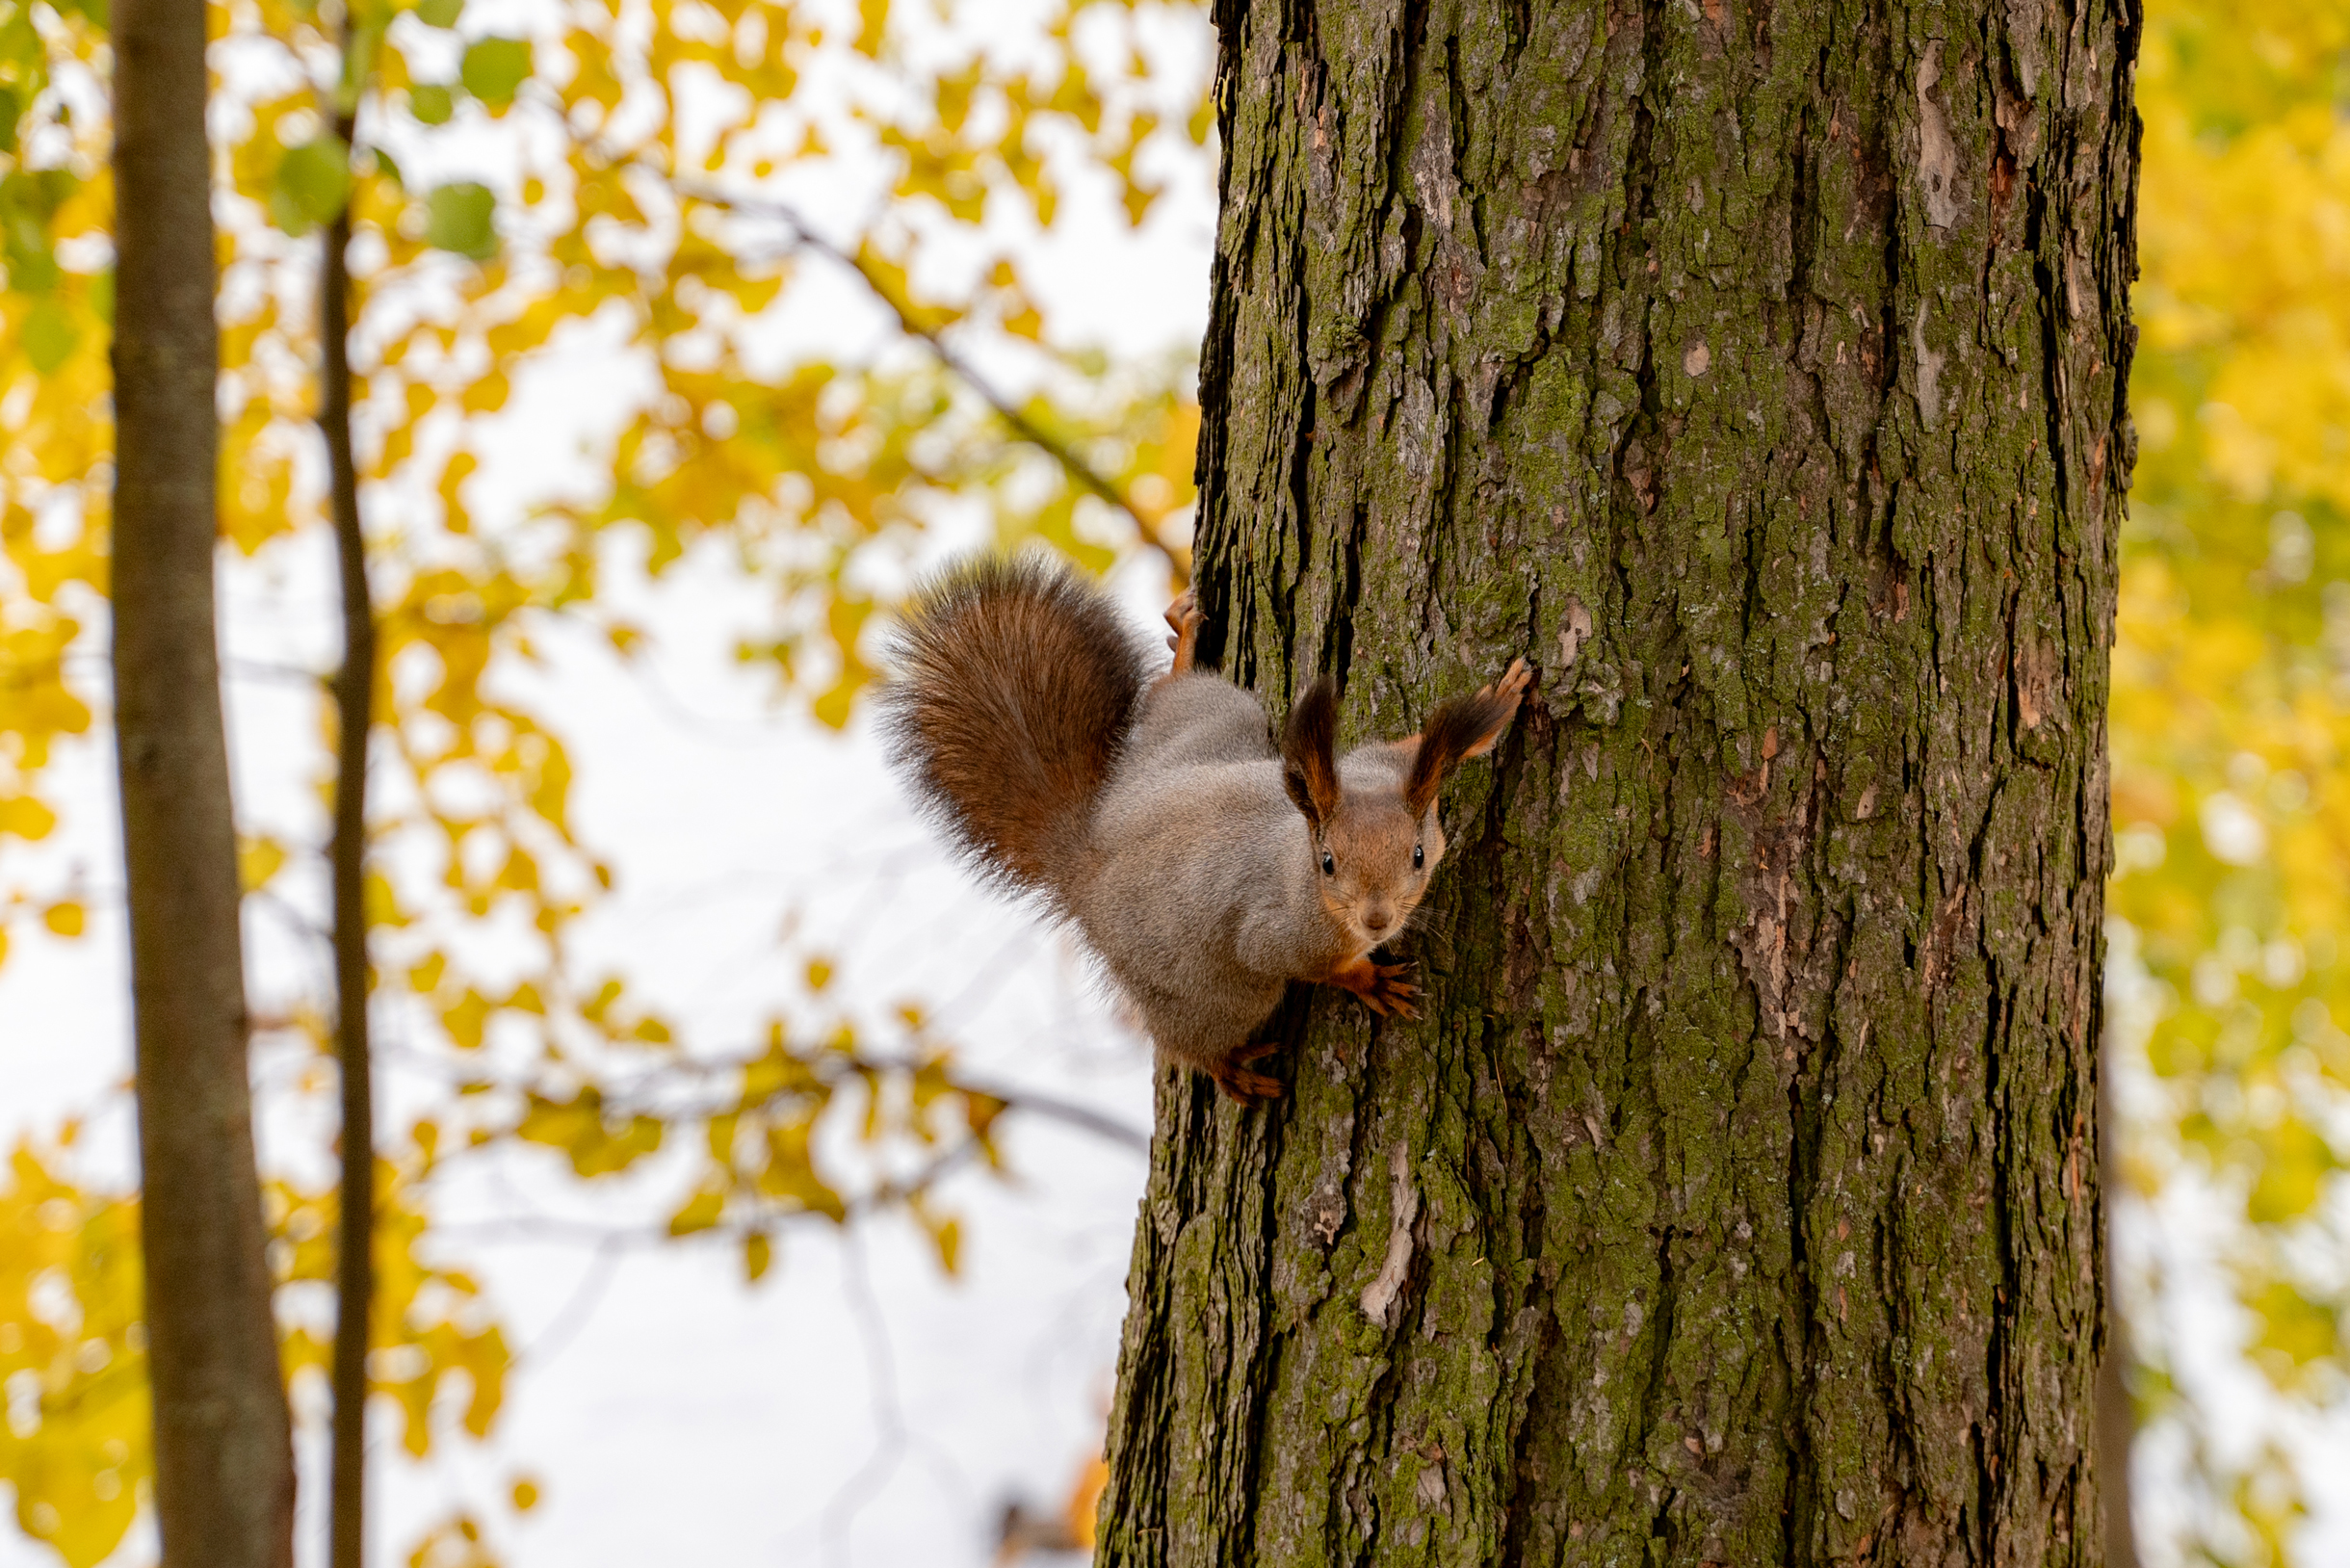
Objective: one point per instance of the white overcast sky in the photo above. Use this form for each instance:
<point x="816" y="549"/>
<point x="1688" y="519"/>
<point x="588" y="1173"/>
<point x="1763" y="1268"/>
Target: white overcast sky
<point x="857" y="1408"/>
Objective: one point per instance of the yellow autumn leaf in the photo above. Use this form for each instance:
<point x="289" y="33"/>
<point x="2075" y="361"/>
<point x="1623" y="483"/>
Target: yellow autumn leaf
<point x="700" y="1212"/>
<point x="2294" y="1332"/>
<point x="258" y="859"/>
<point x="2295" y="1160"/>
<point x="26" y="817"/>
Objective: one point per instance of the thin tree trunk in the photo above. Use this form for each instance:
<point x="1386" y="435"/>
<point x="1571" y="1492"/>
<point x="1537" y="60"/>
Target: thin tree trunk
<point x="223" y="1452"/>
<point x="1757" y="371"/>
<point x="354" y="689"/>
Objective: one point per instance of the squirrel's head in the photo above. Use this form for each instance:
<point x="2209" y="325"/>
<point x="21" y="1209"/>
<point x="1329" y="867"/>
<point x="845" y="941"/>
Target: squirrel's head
<point x="1376" y="847"/>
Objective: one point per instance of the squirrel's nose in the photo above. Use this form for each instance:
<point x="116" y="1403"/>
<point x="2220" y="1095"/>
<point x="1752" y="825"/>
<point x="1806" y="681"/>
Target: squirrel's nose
<point x="1376" y="920"/>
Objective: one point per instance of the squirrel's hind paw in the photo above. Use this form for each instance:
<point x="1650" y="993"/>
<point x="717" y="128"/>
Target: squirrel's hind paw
<point x="1184" y="619"/>
<point x="1238" y="1083"/>
<point x="1185" y="612"/>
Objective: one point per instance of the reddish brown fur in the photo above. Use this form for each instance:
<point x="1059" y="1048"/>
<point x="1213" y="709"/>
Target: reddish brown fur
<point x="1460" y="728"/>
<point x="1017" y="710"/>
<point x="1014" y="686"/>
<point x="1368" y="829"/>
<point x="1309" y="764"/>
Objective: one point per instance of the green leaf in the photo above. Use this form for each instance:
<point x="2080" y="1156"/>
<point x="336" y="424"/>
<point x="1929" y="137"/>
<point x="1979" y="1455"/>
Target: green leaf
<point x="438" y="13"/>
<point x="315" y="179"/>
<point x="494" y="68"/>
<point x="458" y="218"/>
<point x="431" y="103"/>
<point x="31" y="270"/>
<point x="28" y="201"/>
<point x="49" y="335"/>
<point x="102" y="296"/>
<point x="21" y="48"/>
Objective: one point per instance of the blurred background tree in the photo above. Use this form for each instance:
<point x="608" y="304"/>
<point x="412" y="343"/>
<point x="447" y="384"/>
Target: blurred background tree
<point x="792" y="242"/>
<point x="810" y="338"/>
<point x="2230" y="736"/>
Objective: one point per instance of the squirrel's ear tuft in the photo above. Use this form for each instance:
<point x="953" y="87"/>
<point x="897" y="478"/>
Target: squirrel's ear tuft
<point x="1309" y="766"/>
<point x="1461" y="727"/>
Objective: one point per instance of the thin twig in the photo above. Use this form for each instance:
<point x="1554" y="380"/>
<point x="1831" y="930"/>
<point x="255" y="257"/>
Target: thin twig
<point x="590" y="1233"/>
<point x="806" y="236"/>
<point x="635" y="1098"/>
<point x="889" y="1419"/>
<point x="1052" y="1108"/>
<point x="564" y="1327"/>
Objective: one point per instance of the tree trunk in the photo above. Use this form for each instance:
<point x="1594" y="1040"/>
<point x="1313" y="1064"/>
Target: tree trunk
<point x="355" y="690"/>
<point x="1758" y="372"/>
<point x="2117" y="1417"/>
<point x="224" y="1457"/>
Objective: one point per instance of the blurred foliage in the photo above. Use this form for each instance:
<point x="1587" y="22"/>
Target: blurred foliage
<point x="2231" y="720"/>
<point x="804" y="392"/>
<point x="649" y="189"/>
<point x="72" y="1351"/>
<point x="74" y="1443"/>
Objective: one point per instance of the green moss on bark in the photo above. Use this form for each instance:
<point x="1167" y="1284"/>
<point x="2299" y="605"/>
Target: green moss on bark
<point x="1756" y="372"/>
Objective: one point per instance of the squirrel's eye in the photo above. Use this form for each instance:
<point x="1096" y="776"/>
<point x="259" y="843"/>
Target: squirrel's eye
<point x="1329" y="866"/>
<point x="1419" y="857"/>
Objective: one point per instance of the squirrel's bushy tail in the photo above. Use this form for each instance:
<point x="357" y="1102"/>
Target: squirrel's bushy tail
<point x="1013" y="686"/>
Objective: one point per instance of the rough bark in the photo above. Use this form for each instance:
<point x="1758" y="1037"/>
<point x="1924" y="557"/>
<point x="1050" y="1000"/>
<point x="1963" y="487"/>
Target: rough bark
<point x="355" y="690"/>
<point x="224" y="1454"/>
<point x="1758" y="372"/>
<point x="2117" y="1415"/>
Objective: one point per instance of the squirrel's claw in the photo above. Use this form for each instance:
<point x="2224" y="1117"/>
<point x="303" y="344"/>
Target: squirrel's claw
<point x="1385" y="988"/>
<point x="1390" y="994"/>
<point x="1185" y="612"/>
<point x="1238" y="1083"/>
<point x="1184" y="619"/>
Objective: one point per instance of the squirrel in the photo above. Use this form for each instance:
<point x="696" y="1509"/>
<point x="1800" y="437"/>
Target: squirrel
<point x="1204" y="868"/>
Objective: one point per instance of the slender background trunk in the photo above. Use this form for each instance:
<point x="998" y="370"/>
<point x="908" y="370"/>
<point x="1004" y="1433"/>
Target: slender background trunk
<point x="1757" y="371"/>
<point x="224" y="1457"/>
<point x="354" y="689"/>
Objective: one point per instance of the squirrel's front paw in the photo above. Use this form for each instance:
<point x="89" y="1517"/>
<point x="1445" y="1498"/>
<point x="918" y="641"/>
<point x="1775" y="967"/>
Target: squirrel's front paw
<point x="1391" y="992"/>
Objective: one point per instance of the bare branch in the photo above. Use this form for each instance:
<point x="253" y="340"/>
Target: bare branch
<point x="806" y="236"/>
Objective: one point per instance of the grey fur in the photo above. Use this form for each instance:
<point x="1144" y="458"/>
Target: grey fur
<point x="1201" y="894"/>
<point x="1163" y="826"/>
